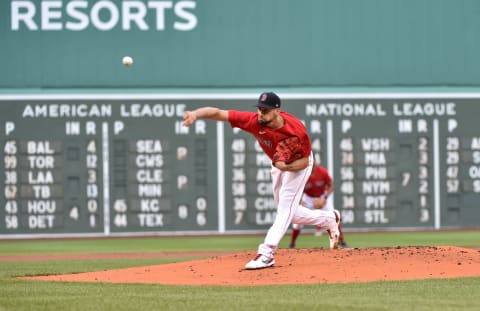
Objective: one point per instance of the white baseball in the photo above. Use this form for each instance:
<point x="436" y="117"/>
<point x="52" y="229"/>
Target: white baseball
<point x="127" y="61"/>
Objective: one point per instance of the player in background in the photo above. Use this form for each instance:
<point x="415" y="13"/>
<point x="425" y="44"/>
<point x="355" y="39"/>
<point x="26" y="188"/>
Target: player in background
<point x="285" y="141"/>
<point x="318" y="189"/>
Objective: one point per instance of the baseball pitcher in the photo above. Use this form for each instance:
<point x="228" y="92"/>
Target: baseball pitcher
<point x="285" y="141"/>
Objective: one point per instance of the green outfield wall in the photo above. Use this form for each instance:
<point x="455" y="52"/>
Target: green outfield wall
<point x="227" y="43"/>
<point x="122" y="164"/>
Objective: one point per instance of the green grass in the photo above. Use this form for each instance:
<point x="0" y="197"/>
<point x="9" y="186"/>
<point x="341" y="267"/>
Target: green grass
<point x="17" y="294"/>
<point x="428" y="238"/>
<point x="218" y="243"/>
<point x="129" y="245"/>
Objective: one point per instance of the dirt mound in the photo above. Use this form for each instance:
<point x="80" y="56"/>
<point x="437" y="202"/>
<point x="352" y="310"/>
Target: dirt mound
<point x="300" y="266"/>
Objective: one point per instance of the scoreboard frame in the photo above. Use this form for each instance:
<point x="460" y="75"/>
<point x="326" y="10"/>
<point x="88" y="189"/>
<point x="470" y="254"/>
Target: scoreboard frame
<point x="413" y="155"/>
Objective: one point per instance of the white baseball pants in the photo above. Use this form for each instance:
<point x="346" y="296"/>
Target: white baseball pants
<point x="308" y="200"/>
<point x="287" y="192"/>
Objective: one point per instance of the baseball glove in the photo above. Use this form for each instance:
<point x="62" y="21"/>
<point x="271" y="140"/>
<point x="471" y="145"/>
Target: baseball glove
<point x="288" y="150"/>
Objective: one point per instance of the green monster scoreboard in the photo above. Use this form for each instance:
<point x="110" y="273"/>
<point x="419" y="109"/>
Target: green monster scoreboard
<point x="123" y="164"/>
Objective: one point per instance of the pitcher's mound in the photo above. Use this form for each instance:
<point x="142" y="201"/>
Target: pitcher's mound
<point x="300" y="266"/>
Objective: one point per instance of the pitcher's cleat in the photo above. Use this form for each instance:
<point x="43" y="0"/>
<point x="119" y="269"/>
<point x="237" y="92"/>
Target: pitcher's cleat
<point x="333" y="238"/>
<point x="334" y="233"/>
<point x="259" y="262"/>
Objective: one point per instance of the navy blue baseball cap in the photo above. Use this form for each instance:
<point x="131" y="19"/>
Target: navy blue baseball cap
<point x="268" y="100"/>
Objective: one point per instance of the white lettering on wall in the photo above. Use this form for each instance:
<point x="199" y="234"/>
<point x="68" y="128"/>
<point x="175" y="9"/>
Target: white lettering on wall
<point x="103" y="15"/>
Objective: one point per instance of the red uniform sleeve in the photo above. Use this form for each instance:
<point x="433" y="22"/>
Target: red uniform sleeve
<point x="242" y="119"/>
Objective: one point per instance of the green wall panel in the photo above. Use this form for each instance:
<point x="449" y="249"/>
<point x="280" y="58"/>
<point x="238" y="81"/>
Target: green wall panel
<point x="243" y="43"/>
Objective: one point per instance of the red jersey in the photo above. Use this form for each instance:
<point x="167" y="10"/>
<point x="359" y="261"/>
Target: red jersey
<point x="316" y="184"/>
<point x="269" y="138"/>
